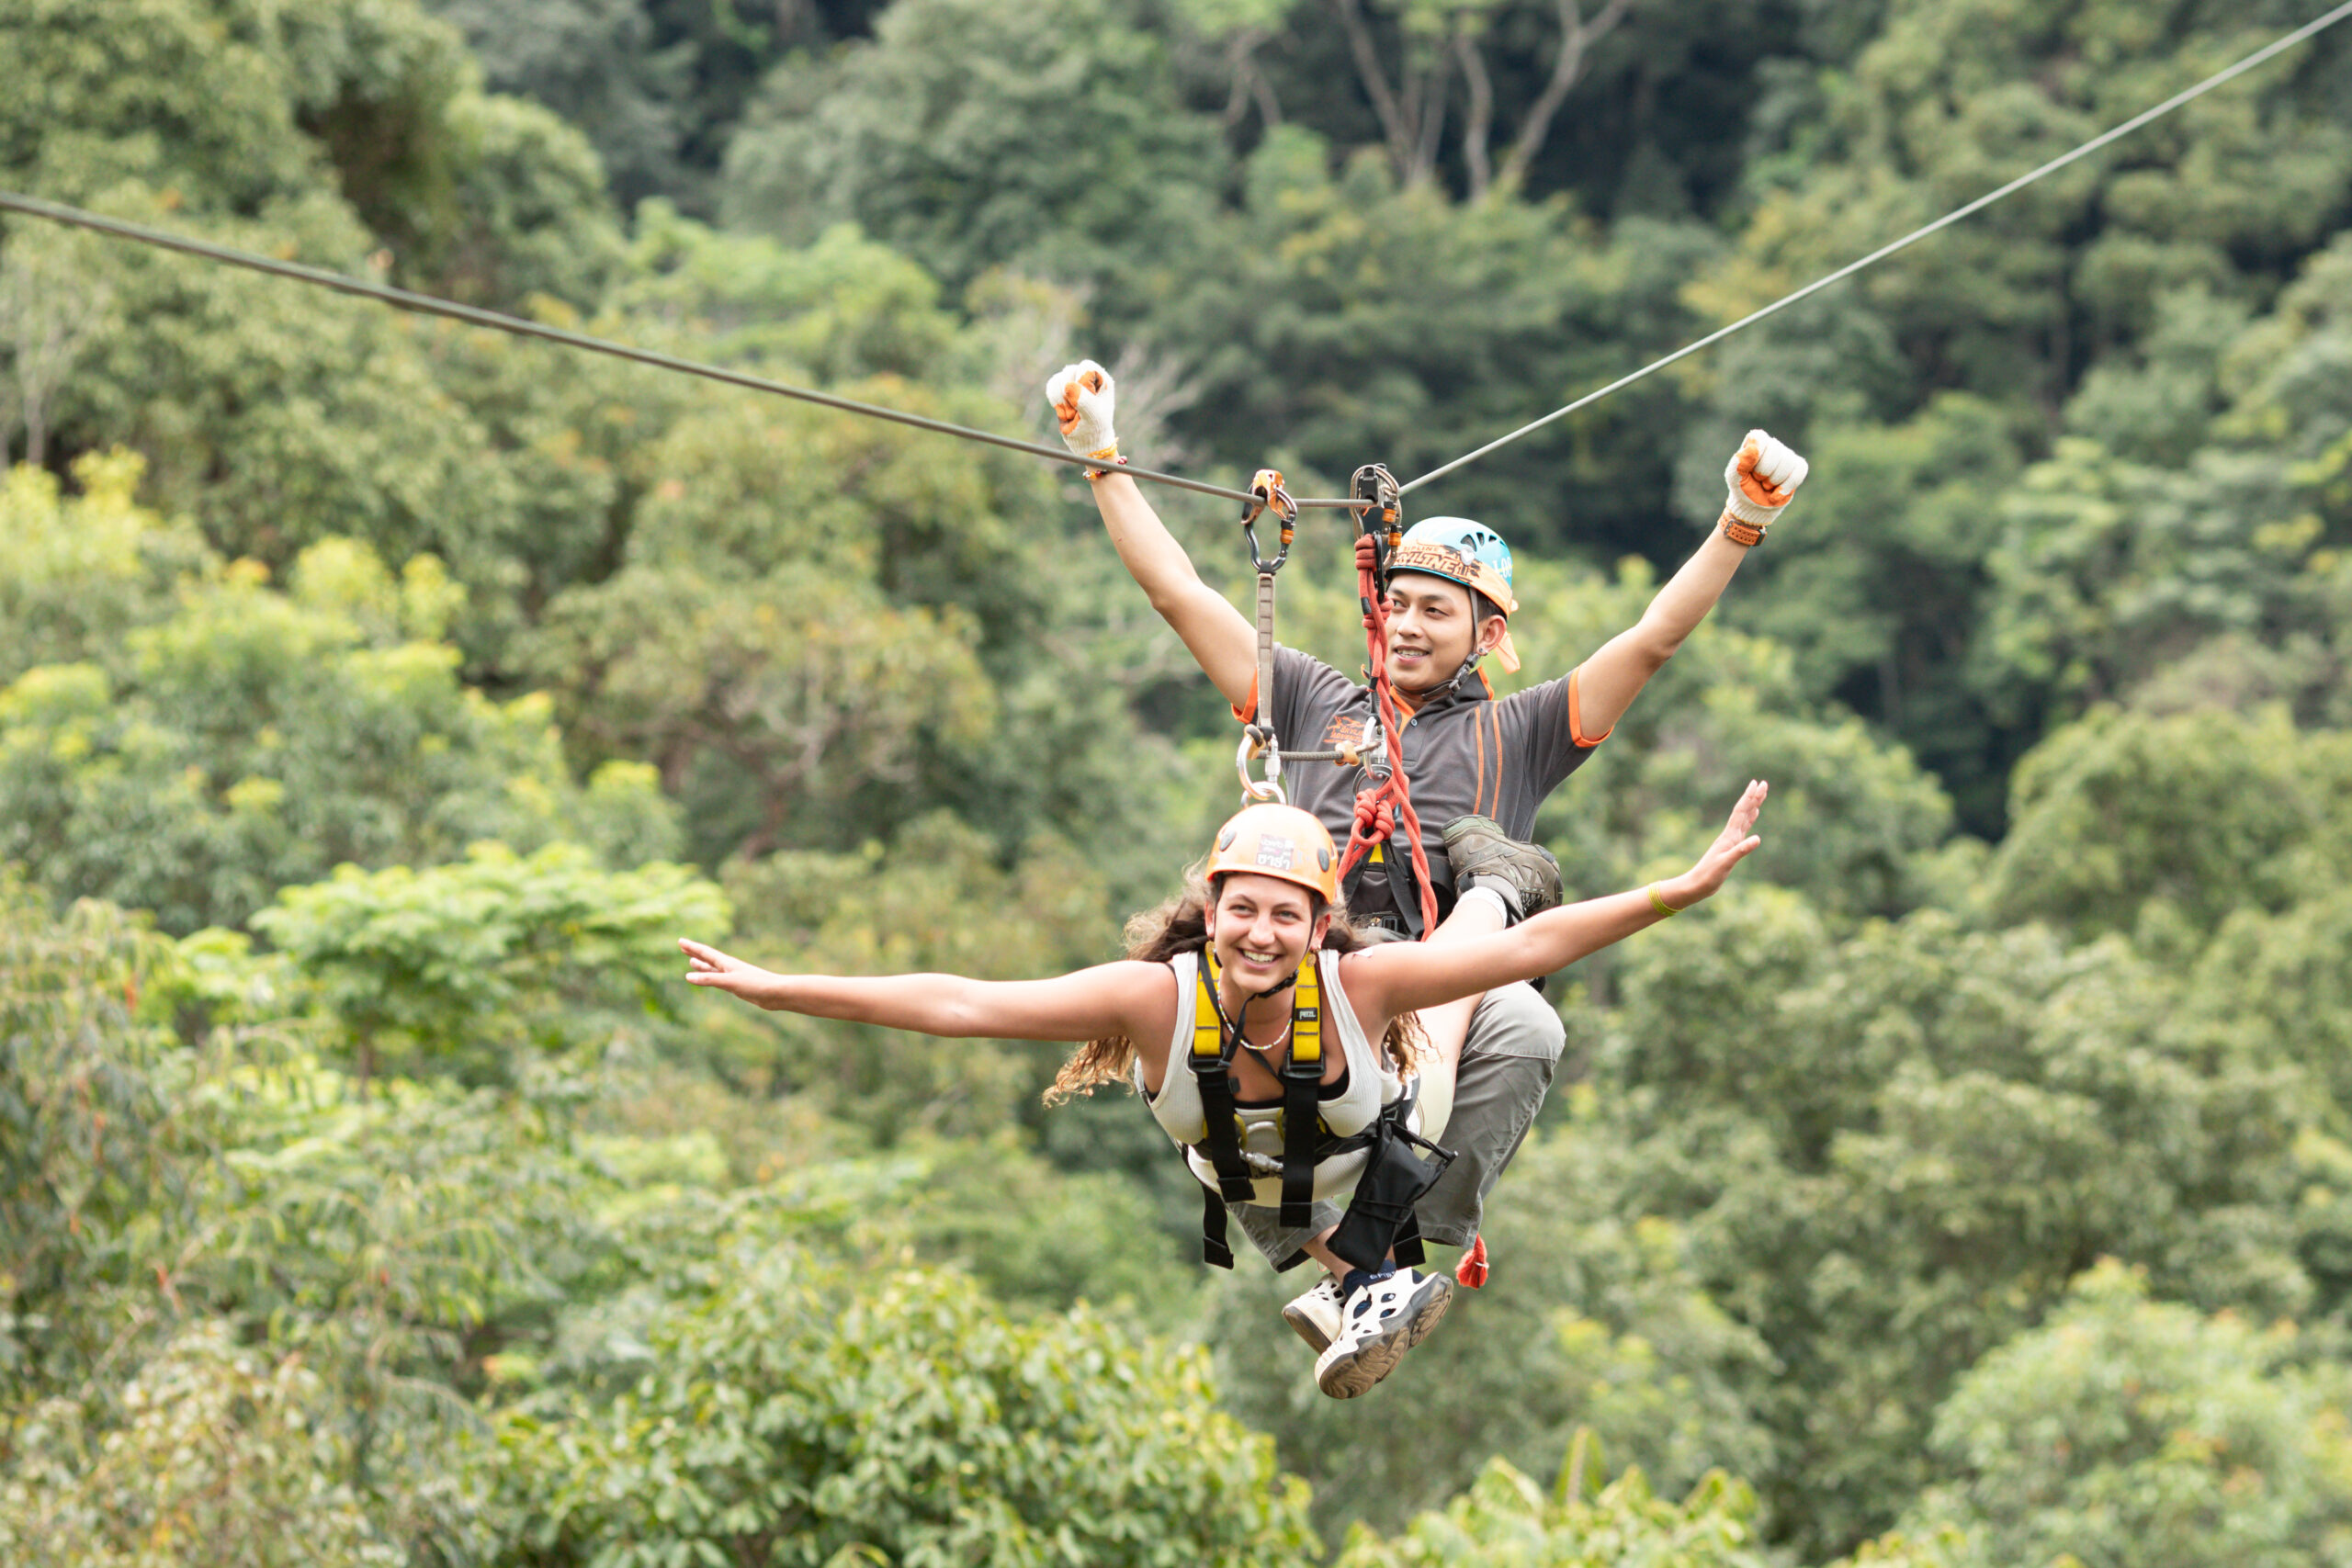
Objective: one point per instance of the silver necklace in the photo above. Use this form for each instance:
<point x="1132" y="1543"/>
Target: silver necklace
<point x="1259" y="1051"/>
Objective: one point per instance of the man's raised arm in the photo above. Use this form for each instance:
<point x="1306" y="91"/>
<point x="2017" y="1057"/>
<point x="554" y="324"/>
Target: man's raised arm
<point x="1762" y="477"/>
<point x="1220" y="637"/>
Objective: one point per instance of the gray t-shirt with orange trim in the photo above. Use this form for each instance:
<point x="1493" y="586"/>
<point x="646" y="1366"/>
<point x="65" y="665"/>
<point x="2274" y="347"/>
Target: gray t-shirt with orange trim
<point x="1465" y="753"/>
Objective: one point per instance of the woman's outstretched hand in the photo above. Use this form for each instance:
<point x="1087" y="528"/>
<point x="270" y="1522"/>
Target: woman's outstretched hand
<point x="1734" y="844"/>
<point x="709" y="967"/>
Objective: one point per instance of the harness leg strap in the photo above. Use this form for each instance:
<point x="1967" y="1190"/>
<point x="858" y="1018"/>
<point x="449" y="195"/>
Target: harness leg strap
<point x="1408" y="1250"/>
<point x="1380" y="1215"/>
<point x="1215" y="1250"/>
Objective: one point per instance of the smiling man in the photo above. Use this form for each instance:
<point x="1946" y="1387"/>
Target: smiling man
<point x="1478" y="766"/>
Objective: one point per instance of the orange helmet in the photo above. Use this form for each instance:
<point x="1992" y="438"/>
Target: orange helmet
<point x="1280" y="841"/>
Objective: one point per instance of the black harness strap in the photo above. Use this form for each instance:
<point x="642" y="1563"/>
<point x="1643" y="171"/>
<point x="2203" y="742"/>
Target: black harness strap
<point x="1396" y="862"/>
<point x="1211" y="1060"/>
<point x="1380" y="1214"/>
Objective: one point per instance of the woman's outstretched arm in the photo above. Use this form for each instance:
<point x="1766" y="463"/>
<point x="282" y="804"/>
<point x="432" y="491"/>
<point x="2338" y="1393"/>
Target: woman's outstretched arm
<point x="1403" y="976"/>
<point x="1134" y="1000"/>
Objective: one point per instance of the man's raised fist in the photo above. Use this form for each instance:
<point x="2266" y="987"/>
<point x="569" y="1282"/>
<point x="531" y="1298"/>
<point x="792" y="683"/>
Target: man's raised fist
<point x="1762" y="478"/>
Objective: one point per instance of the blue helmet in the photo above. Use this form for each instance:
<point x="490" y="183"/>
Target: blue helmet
<point x="1475" y="543"/>
<point x="1468" y="553"/>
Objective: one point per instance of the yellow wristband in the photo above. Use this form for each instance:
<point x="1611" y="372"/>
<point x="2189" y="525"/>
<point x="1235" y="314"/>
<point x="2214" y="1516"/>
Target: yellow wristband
<point x="1660" y="905"/>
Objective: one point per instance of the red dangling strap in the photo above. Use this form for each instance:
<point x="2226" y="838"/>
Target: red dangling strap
<point x="1379" y="809"/>
<point x="1472" y="1271"/>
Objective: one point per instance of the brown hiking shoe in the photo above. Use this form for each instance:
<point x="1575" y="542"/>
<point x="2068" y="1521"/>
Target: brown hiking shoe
<point x="1484" y="855"/>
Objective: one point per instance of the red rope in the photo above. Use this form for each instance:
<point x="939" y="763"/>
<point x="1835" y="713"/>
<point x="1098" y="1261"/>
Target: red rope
<point x="1379" y="809"/>
<point x="1389" y="803"/>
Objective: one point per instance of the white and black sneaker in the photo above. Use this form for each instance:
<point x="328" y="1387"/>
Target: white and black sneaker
<point x="1382" y="1319"/>
<point x="1316" y="1314"/>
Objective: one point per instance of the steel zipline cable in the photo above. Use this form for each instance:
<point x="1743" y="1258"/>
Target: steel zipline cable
<point x="2308" y="30"/>
<point x="426" y="304"/>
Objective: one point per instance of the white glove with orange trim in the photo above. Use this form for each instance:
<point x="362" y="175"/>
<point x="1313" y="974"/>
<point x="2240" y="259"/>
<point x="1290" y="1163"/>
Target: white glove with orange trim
<point x="1083" y="396"/>
<point x="1762" y="477"/>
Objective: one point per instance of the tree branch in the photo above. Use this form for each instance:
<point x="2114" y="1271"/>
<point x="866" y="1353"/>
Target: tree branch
<point x="1375" y="84"/>
<point x="1577" y="38"/>
<point x="51" y="304"/>
<point x="1250" y="83"/>
<point x="1478" y="129"/>
<point x="1429" y="110"/>
<point x="1270" y="109"/>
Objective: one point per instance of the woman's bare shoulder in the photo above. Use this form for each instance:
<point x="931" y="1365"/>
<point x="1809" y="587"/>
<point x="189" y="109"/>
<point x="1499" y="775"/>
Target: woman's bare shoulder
<point x="1143" y="985"/>
<point x="1364" y="982"/>
<point x="1151" y="1002"/>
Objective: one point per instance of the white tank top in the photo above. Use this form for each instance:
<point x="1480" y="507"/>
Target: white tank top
<point x="1373" y="1083"/>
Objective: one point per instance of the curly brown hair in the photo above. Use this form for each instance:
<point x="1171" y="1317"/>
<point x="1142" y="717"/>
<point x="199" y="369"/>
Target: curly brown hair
<point x="1181" y="925"/>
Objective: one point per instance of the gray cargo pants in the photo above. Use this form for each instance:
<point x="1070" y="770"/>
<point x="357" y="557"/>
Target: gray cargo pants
<point x="1508" y="1059"/>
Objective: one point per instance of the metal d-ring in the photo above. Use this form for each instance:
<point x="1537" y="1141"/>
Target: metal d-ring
<point x="1253" y="741"/>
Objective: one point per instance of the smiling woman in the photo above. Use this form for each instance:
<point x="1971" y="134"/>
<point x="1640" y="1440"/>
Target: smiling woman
<point x="1269" y="1118"/>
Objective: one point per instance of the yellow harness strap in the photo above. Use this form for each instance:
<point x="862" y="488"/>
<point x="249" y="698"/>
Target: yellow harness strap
<point x="1306" y="1014"/>
<point x="1300" y="1122"/>
<point x="1208" y="1023"/>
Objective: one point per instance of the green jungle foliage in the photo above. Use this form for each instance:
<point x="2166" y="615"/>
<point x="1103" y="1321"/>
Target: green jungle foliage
<point x="379" y="698"/>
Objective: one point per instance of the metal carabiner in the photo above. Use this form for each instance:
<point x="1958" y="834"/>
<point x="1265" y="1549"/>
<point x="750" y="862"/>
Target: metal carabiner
<point x="1253" y="741"/>
<point x="1266" y="489"/>
<point x="1383" y="512"/>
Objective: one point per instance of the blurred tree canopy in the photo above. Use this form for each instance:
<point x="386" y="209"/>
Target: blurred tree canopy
<point x="2186" y="1439"/>
<point x="179" y="736"/>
